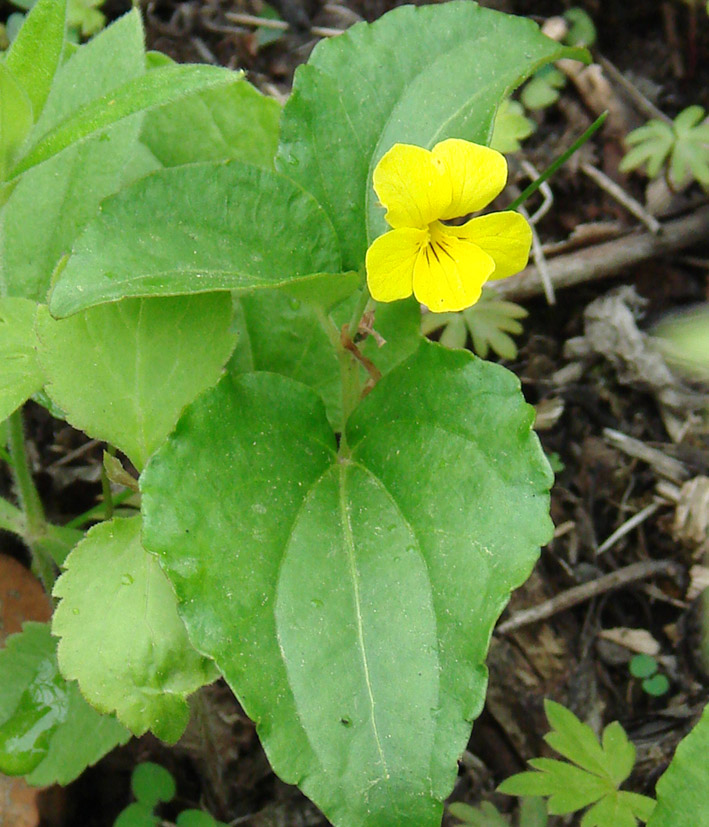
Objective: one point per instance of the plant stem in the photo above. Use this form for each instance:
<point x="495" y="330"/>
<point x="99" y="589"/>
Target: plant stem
<point x="35" y="522"/>
<point x="350" y="374"/>
<point x="363" y="303"/>
<point x="12" y="519"/>
<point x="99" y="511"/>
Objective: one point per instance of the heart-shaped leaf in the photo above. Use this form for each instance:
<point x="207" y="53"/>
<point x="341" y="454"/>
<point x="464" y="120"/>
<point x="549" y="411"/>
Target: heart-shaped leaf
<point x="348" y="598"/>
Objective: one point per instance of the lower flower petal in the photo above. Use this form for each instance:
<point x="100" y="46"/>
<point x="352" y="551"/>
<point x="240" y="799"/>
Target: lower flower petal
<point x="390" y="263"/>
<point x="449" y="273"/>
<point x="505" y="236"/>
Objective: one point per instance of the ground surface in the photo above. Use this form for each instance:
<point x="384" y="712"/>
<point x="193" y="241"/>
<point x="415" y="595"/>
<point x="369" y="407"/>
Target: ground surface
<point x="584" y="392"/>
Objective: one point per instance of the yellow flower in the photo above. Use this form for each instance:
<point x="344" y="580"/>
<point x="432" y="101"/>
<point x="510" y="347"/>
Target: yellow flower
<point x="444" y="266"/>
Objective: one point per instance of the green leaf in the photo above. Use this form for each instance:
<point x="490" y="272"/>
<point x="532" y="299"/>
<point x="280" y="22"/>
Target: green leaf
<point x="651" y="144"/>
<point x="574" y="740"/>
<point x="20" y="372"/>
<point x="196" y="818"/>
<point x="51" y="203"/>
<point x="600" y="771"/>
<point x="47" y="731"/>
<point x="582" y="31"/>
<point x="134" y="660"/>
<point x="533" y="812"/>
<point x="642" y="666"/>
<point x="284" y="335"/>
<point x="232" y="122"/>
<point x="157" y="88"/>
<point x="417" y="75"/>
<point x="15" y="118"/>
<point x="682" y="799"/>
<point x="611" y="810"/>
<point x="84" y="16"/>
<point x="619" y="753"/>
<point x="490" y="321"/>
<point x="511" y="127"/>
<point x="349" y="600"/>
<point x="656" y="686"/>
<point x="59" y="541"/>
<point x="572" y="788"/>
<point x="486" y="815"/>
<point x="36" y="52"/>
<point x="198" y="228"/>
<point x="137" y="815"/>
<point x="543" y="89"/>
<point x="155" y="356"/>
<point x="152" y="784"/>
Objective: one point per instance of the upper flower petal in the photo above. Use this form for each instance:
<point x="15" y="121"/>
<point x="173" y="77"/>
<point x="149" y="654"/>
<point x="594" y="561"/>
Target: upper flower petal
<point x="449" y="273"/>
<point x="477" y="174"/>
<point x="412" y="185"/>
<point x="505" y="236"/>
<point x="390" y="263"/>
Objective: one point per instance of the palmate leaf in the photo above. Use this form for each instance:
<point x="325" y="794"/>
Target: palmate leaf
<point x="597" y="771"/>
<point x="348" y="600"/>
<point x="417" y="75"/>
<point x="683" y="144"/>
<point x="490" y="323"/>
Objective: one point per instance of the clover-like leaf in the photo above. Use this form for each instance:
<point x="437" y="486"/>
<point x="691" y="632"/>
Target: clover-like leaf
<point x="47" y="730"/>
<point x="593" y="778"/>
<point x="134" y="660"/>
<point x="349" y="599"/>
<point x="152" y="783"/>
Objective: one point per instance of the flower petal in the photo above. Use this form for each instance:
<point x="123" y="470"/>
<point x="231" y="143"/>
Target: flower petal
<point x="477" y="174"/>
<point x="449" y="273"/>
<point x="505" y="236"/>
<point x="390" y="263"/>
<point x="413" y="187"/>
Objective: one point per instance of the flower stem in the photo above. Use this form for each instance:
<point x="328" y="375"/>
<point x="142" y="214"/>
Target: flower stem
<point x="35" y="522"/>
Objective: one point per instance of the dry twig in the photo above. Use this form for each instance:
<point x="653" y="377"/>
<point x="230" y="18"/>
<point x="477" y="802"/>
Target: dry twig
<point x="586" y="591"/>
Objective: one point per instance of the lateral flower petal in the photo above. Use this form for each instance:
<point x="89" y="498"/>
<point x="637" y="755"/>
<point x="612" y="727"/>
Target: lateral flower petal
<point x="449" y="273"/>
<point x="505" y="236"/>
<point x="413" y="186"/>
<point x="390" y="263"/>
<point x="476" y="174"/>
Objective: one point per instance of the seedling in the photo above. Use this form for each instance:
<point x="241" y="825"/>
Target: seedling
<point x="645" y="668"/>
<point x="153" y="785"/>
